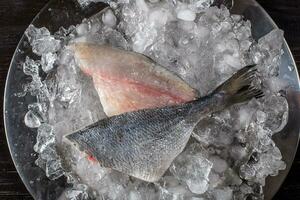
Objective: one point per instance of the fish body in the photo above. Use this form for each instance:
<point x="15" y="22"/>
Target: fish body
<point x="128" y="81"/>
<point x="144" y="143"/>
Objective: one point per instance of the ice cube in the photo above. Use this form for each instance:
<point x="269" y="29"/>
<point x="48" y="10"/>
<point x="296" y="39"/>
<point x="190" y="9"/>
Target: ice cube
<point x="198" y="186"/>
<point x="261" y="117"/>
<point x="232" y="177"/>
<point x="214" y="180"/>
<point x="238" y="152"/>
<point x="276" y="84"/>
<point x="48" y="159"/>
<point x="272" y="164"/>
<point x="244" y="191"/>
<point x="31" y="67"/>
<point x="85" y="3"/>
<point x="67" y="62"/>
<point x="78" y="192"/>
<point x="68" y="94"/>
<point x="245" y="115"/>
<point x="41" y="163"/>
<point x="167" y="195"/>
<point x="140" y="43"/>
<point x="159" y="17"/>
<point x="214" y="131"/>
<point x="41" y="40"/>
<point x="33" y="33"/>
<point x="274" y="116"/>
<point x="144" y="24"/>
<point x="90" y="171"/>
<point x="109" y="19"/>
<point x="46" y="45"/>
<point x="233" y="61"/>
<point x="199" y="5"/>
<point x="134" y="195"/>
<point x="266" y="163"/>
<point x="247" y="172"/>
<point x="202" y="33"/>
<point x="268" y="53"/>
<point x="142" y="6"/>
<point x="54" y="169"/>
<point x="272" y="41"/>
<point x="219" y="165"/>
<point x="194" y="169"/>
<point x="82" y="29"/>
<point x="45" y="138"/>
<point x="68" y="88"/>
<point x="138" y="189"/>
<point x="37" y="108"/>
<point x="31" y="120"/>
<point x="116" y="39"/>
<point x="64" y="34"/>
<point x="113" y="186"/>
<point x="186" y="15"/>
<point x="47" y="61"/>
<point x="223" y="194"/>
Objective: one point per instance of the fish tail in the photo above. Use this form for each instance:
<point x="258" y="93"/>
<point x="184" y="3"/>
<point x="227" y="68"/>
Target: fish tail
<point x="238" y="89"/>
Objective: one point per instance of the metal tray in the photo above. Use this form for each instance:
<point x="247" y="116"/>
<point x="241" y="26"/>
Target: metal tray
<point x="59" y="13"/>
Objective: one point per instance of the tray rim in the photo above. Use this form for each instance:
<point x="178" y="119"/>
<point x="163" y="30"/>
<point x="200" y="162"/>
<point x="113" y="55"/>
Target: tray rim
<point x="45" y="7"/>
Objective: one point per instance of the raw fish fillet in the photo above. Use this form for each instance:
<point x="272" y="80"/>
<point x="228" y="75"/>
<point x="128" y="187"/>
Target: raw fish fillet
<point x="128" y="81"/>
<point x="144" y="143"/>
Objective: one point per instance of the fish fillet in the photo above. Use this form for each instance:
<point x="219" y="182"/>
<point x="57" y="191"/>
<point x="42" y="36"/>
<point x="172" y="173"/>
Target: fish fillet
<point x="128" y="81"/>
<point x="144" y="143"/>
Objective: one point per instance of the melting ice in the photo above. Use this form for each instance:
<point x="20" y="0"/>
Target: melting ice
<point x="231" y="153"/>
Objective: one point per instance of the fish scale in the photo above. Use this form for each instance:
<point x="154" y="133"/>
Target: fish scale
<point x="139" y="140"/>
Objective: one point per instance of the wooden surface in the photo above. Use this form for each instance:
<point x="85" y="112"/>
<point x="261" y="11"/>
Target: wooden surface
<point x="16" y="15"/>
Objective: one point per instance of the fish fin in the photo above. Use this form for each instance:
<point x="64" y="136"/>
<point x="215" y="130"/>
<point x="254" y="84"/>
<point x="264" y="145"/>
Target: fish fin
<point x="238" y="88"/>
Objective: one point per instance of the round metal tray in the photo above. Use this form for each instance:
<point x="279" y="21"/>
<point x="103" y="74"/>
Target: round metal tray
<point x="59" y="13"/>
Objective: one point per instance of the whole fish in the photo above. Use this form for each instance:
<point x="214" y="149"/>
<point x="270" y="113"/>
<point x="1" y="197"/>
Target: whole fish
<point x="128" y="81"/>
<point x="144" y="143"/>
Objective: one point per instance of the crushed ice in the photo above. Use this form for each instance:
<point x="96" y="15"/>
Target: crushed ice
<point x="231" y="153"/>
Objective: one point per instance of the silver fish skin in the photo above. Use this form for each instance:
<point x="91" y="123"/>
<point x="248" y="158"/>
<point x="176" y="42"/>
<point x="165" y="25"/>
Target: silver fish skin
<point x="144" y="143"/>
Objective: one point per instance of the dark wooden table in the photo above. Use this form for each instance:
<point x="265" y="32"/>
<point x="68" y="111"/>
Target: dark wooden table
<point x="16" y="15"/>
